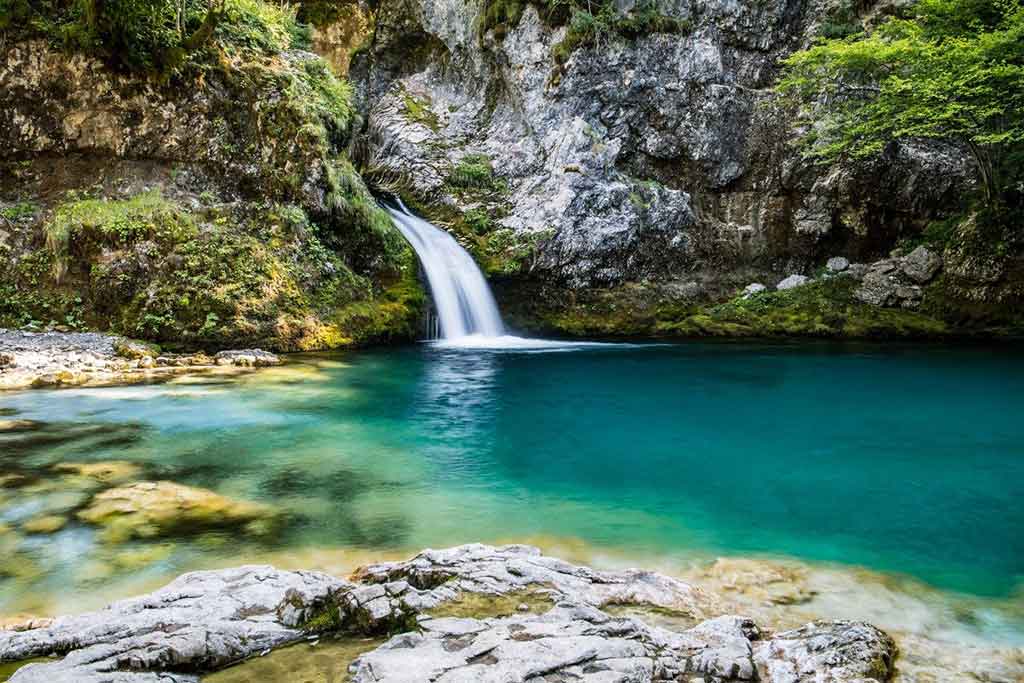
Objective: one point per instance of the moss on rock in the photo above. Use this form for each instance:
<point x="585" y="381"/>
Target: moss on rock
<point x="825" y="308"/>
<point x="151" y="267"/>
<point x="164" y="508"/>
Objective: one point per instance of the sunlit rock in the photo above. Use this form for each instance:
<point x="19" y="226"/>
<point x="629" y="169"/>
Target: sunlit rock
<point x="150" y="509"/>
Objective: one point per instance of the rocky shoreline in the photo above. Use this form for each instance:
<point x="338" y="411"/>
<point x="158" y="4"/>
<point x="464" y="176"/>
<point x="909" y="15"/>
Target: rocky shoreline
<point x="63" y="359"/>
<point x="483" y="613"/>
<point x="469" y="613"/>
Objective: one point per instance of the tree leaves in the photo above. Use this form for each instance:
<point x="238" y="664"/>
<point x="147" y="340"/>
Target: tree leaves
<point x="952" y="71"/>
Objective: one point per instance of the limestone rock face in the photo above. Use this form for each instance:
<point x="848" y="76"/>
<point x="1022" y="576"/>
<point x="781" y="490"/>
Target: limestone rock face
<point x="205" y="620"/>
<point x="658" y="157"/>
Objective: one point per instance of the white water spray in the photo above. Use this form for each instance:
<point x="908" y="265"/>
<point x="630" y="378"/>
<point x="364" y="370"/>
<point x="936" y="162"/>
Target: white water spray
<point x="465" y="305"/>
<point x="467" y="315"/>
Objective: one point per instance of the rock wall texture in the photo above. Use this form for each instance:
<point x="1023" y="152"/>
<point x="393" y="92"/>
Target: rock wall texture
<point x="653" y="157"/>
<point x="215" y="208"/>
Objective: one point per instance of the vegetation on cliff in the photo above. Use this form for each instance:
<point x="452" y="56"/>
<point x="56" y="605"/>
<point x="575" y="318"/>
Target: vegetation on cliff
<point x="589" y="24"/>
<point x="243" y="223"/>
<point x="947" y="70"/>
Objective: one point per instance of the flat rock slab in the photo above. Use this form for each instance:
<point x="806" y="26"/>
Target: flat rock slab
<point x="581" y="643"/>
<point x="201" y="621"/>
<point x="207" y="620"/>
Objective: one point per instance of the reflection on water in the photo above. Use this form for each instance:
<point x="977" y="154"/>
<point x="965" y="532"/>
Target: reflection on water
<point x="892" y="459"/>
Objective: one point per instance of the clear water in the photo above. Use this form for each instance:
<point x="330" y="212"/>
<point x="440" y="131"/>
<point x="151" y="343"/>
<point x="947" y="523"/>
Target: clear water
<point x="901" y="459"/>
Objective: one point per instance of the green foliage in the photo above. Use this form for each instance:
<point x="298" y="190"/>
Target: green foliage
<point x="18" y="212"/>
<point x="325" y="12"/>
<point x="112" y="223"/>
<point x="478" y="221"/>
<point x="590" y="24"/>
<point x="419" y="111"/>
<point x="595" y="25"/>
<point x="474" y="172"/>
<point x="157" y="36"/>
<point x="953" y="70"/>
<point x="261" y="274"/>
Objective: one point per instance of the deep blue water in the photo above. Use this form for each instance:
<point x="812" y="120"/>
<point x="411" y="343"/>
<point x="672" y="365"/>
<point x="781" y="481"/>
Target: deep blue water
<point x="907" y="459"/>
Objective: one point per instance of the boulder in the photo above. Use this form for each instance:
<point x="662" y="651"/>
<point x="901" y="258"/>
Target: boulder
<point x="752" y="289"/>
<point x="792" y="282"/>
<point x="878" y="288"/>
<point x="921" y="265"/>
<point x="135" y="350"/>
<point x="200" y="621"/>
<point x="837" y="264"/>
<point x="158" y="508"/>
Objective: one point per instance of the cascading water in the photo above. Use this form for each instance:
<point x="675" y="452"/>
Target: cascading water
<point x="465" y="305"/>
<point x="467" y="316"/>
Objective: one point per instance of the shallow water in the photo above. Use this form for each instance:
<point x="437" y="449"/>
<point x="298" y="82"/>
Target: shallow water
<point x="901" y="459"/>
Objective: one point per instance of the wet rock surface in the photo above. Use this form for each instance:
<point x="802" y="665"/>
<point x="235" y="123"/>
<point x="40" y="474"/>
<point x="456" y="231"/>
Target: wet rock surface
<point x="56" y="359"/>
<point x="156" y="508"/>
<point x="205" y="620"/>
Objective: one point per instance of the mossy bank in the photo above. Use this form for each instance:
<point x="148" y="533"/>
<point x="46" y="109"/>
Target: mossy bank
<point x="202" y="199"/>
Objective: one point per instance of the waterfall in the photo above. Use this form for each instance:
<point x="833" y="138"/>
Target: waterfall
<point x="465" y="305"/>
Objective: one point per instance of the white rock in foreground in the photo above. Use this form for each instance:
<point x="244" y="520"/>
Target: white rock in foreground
<point x="206" y="620"/>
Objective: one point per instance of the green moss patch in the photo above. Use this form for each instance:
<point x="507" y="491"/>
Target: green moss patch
<point x="418" y="110"/>
<point x="485" y="606"/>
<point x="825" y="308"/>
<point x="326" y="661"/>
<point x="262" y="274"/>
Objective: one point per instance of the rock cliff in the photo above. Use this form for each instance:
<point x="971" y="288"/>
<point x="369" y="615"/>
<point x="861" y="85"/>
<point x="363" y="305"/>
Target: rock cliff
<point x="653" y="153"/>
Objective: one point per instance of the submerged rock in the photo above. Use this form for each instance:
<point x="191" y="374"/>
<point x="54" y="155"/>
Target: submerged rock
<point x="149" y="509"/>
<point x="105" y="472"/>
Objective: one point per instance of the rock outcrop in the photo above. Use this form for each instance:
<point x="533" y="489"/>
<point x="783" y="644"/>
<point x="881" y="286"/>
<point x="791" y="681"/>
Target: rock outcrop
<point x="650" y="156"/>
<point x="207" y="620"/>
<point x="200" y="621"/>
<point x="213" y="208"/>
<point x="898" y="281"/>
<point x="56" y="359"/>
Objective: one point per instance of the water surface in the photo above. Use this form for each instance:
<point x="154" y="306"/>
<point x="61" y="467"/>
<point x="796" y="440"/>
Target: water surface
<point x="901" y="459"/>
